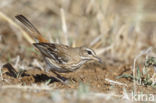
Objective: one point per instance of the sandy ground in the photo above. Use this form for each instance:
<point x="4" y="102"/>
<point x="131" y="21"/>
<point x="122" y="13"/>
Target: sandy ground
<point x="113" y="29"/>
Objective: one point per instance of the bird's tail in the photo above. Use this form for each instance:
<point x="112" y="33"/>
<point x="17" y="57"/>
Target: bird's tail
<point x="37" y="35"/>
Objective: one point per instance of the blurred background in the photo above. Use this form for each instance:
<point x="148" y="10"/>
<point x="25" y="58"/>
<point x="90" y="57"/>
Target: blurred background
<point x="117" y="29"/>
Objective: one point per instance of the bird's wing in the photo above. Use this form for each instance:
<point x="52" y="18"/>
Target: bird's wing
<point x="53" y="51"/>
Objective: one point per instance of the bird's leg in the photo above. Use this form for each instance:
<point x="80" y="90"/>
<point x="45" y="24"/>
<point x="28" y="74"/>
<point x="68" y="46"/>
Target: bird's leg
<point x="57" y="77"/>
<point x="63" y="80"/>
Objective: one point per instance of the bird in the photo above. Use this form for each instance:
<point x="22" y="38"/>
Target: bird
<point x="60" y="58"/>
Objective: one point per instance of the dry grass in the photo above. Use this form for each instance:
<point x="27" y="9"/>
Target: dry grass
<point x="117" y="30"/>
<point x="11" y="22"/>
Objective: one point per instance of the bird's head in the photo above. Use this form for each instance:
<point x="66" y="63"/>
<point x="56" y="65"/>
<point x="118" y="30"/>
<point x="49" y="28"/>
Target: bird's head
<point x="88" y="54"/>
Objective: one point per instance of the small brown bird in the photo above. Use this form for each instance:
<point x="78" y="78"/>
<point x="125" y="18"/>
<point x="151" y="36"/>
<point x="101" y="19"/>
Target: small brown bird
<point x="60" y="58"/>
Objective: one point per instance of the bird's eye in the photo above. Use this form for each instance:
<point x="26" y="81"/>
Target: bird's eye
<point x="89" y="52"/>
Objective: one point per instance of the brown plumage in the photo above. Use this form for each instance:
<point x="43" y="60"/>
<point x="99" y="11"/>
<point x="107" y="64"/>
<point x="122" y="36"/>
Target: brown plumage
<point x="31" y="27"/>
<point x="59" y="57"/>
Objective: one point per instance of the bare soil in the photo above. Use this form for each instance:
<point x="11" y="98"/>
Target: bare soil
<point x="120" y="33"/>
<point x="95" y="75"/>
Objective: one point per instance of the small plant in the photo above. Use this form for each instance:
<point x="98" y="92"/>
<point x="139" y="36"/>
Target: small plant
<point x="151" y="61"/>
<point x="143" y="78"/>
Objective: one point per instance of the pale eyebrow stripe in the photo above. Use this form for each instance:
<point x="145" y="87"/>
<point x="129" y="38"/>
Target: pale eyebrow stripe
<point x="91" y="51"/>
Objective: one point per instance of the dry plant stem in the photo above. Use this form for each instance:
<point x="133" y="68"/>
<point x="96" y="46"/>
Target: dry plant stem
<point x="90" y="6"/>
<point x="25" y="34"/>
<point x="139" y="14"/>
<point x="102" y="50"/>
<point x="98" y="44"/>
<point x="73" y="44"/>
<point x="97" y="39"/>
<point x="125" y="94"/>
<point x="1" y="74"/>
<point x="17" y="61"/>
<point x="134" y="64"/>
<point x="115" y="82"/>
<point x="33" y="87"/>
<point x="153" y="79"/>
<point x="64" y="27"/>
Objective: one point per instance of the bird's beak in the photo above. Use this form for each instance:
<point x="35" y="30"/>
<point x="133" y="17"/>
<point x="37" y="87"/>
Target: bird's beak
<point x="97" y="59"/>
